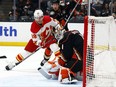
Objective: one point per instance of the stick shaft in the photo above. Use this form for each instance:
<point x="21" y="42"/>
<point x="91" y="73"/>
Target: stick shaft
<point x="2" y="57"/>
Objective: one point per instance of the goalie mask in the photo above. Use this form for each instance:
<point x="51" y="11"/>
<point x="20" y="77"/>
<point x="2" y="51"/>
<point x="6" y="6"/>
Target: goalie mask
<point x="59" y="34"/>
<point x="38" y="16"/>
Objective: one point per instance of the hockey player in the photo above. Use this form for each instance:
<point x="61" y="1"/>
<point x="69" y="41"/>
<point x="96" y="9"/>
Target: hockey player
<point x="42" y="37"/>
<point x="61" y="12"/>
<point x="70" y="61"/>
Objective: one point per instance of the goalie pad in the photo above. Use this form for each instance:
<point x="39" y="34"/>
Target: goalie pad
<point x="51" y="66"/>
<point x="66" y="76"/>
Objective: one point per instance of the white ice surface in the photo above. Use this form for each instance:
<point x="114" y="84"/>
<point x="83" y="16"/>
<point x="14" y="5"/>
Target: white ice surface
<point x="25" y="74"/>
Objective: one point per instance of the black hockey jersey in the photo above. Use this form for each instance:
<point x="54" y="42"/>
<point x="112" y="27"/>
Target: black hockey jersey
<point x="70" y="45"/>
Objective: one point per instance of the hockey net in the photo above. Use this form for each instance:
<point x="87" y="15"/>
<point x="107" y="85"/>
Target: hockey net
<point x="99" y="52"/>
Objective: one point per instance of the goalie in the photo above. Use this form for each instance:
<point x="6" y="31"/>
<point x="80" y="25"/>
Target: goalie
<point x="68" y="58"/>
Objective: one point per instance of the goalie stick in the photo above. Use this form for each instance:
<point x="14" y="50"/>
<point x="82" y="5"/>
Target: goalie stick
<point x="79" y="1"/>
<point x="3" y="57"/>
<point x="44" y="73"/>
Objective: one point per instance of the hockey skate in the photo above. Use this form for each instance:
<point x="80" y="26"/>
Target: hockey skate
<point x="10" y="66"/>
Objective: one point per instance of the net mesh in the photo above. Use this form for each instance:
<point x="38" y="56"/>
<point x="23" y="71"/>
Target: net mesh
<point x="101" y="52"/>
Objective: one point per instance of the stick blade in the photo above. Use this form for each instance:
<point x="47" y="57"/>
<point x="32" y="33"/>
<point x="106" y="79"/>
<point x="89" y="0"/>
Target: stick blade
<point x="2" y="57"/>
<point x="44" y="73"/>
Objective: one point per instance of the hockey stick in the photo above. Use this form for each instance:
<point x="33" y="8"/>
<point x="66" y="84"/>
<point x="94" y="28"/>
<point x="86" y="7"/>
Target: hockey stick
<point x="3" y="57"/>
<point x="44" y="73"/>
<point x="36" y="50"/>
<point x="71" y="13"/>
<point x="7" y="67"/>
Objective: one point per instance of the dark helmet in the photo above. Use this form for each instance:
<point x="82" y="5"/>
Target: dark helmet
<point x="55" y="1"/>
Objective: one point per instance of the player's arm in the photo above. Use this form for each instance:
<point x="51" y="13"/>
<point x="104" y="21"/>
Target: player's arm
<point x="58" y="29"/>
<point x="55" y="23"/>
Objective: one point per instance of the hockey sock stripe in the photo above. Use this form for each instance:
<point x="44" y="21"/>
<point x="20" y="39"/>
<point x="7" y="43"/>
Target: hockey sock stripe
<point x="19" y="57"/>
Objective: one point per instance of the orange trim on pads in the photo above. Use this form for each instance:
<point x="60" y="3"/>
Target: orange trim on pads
<point x="57" y="53"/>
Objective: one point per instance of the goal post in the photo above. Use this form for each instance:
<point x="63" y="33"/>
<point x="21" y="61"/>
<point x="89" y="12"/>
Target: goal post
<point x="99" y="66"/>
